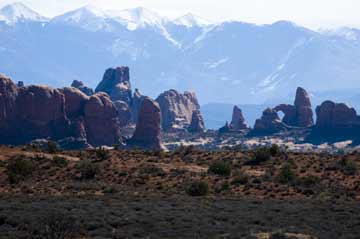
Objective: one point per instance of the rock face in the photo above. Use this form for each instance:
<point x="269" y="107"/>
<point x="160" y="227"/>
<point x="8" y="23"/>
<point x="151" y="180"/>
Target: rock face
<point x="136" y="105"/>
<point x="116" y="83"/>
<point x="238" y="120"/>
<point x="123" y="112"/>
<point x="83" y="88"/>
<point x="225" y="129"/>
<point x="332" y="116"/>
<point x="101" y="123"/>
<point x="177" y="109"/>
<point x="148" y="128"/>
<point x="269" y="123"/>
<point x="300" y="114"/>
<point x="197" y="123"/>
<point x="34" y="112"/>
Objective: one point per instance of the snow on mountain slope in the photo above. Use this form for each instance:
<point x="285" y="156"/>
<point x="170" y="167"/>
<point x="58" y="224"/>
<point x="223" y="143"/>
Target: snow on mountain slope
<point x="138" y="18"/>
<point x="190" y="20"/>
<point x="87" y="17"/>
<point x="17" y="12"/>
<point x="232" y="62"/>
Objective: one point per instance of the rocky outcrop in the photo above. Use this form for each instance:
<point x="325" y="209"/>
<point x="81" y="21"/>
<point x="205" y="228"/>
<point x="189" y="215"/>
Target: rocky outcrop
<point x="34" y="112"/>
<point x="238" y="120"/>
<point x="197" y="123"/>
<point x="177" y="109"/>
<point x="335" y="122"/>
<point x="123" y="112"/>
<point x="331" y="116"/>
<point x="82" y="87"/>
<point x="29" y="112"/>
<point x="101" y="122"/>
<point x="300" y="114"/>
<point x="116" y="83"/>
<point x="269" y="123"/>
<point x="20" y="84"/>
<point x="225" y="129"/>
<point x="148" y="128"/>
<point x="137" y="100"/>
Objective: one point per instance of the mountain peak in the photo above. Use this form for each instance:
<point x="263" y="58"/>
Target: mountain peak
<point x="191" y="20"/>
<point x="16" y="12"/>
<point x="138" y="17"/>
<point x="88" y="17"/>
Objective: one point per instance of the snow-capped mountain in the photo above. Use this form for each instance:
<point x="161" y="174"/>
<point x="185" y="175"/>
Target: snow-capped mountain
<point x="229" y="62"/>
<point x="18" y="12"/>
<point x="138" y="18"/>
<point x="87" y="17"/>
<point x="191" y="20"/>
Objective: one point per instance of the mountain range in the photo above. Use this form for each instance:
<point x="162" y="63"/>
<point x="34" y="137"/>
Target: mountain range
<point x="226" y="62"/>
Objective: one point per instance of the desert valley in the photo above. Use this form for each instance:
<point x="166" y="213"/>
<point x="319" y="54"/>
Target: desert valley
<point x="85" y="156"/>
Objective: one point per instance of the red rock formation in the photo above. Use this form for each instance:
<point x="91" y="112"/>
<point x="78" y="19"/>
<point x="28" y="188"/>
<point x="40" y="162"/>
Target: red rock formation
<point x="82" y="87"/>
<point x="148" y="129"/>
<point x="238" y="120"/>
<point x="33" y="112"/>
<point x="116" y="83"/>
<point x="177" y="109"/>
<point x="197" y="123"/>
<point x="124" y="112"/>
<point x="269" y="123"/>
<point x="136" y="105"/>
<point x="101" y="122"/>
<point x="300" y="114"/>
<point x="332" y="115"/>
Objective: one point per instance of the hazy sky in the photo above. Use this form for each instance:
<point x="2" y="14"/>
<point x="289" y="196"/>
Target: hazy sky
<point x="311" y="13"/>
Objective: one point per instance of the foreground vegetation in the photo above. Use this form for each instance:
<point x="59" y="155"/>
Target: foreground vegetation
<point x="187" y="175"/>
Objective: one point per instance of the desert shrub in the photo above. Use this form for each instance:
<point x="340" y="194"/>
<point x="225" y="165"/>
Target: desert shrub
<point x="240" y="179"/>
<point x="59" y="162"/>
<point x="54" y="226"/>
<point x="185" y="150"/>
<point x="87" y="169"/>
<point x="224" y="187"/>
<point x="260" y="155"/>
<point x="279" y="235"/>
<point x="52" y="147"/>
<point x="220" y="168"/>
<point x="102" y="154"/>
<point x="109" y="190"/>
<point x="152" y="170"/>
<point x="197" y="189"/>
<point x="348" y="167"/>
<point x="275" y="150"/>
<point x="286" y="175"/>
<point x="19" y="168"/>
<point x="308" y="181"/>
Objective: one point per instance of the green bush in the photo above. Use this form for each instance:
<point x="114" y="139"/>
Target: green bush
<point x="348" y="167"/>
<point x="59" y="162"/>
<point x="53" y="225"/>
<point x="240" y="180"/>
<point x="286" y="175"/>
<point x="197" y="189"/>
<point x="275" y="150"/>
<point x="308" y="181"/>
<point x="52" y="147"/>
<point x="87" y="169"/>
<point x="260" y="155"/>
<point x="102" y="154"/>
<point x="152" y="170"/>
<point x="19" y="168"/>
<point x="220" y="168"/>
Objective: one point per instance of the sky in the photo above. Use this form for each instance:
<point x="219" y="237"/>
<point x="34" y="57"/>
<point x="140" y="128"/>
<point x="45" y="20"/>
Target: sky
<point x="313" y="14"/>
